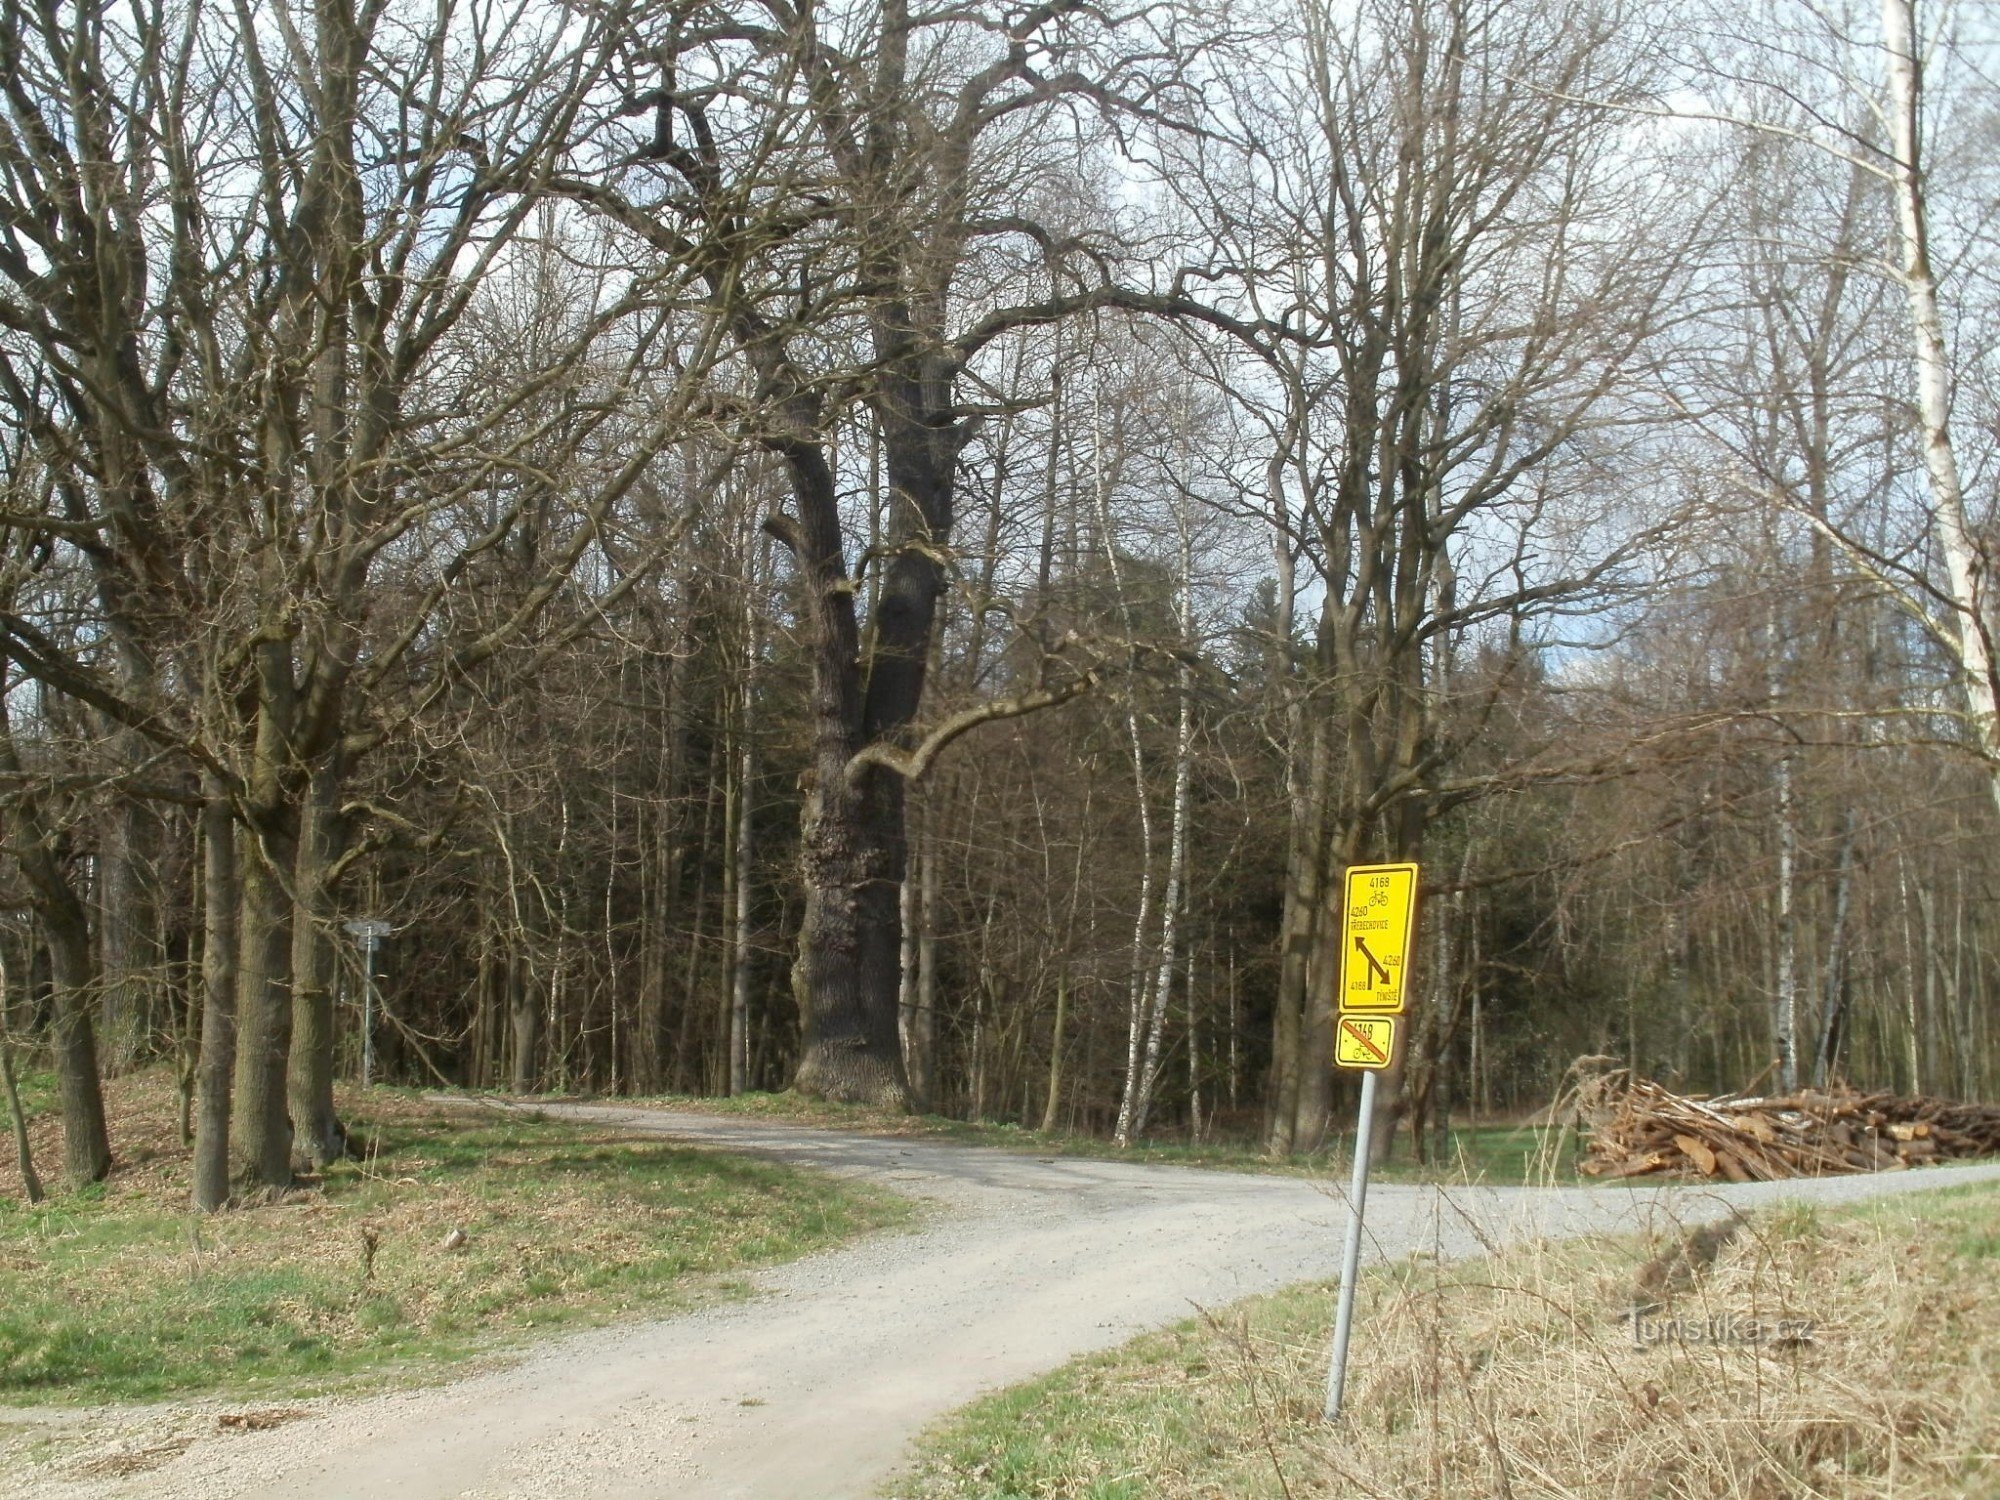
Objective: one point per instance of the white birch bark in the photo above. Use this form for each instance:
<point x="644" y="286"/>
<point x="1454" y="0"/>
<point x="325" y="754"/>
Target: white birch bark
<point x="1132" y="1115"/>
<point x="1965" y="563"/>
<point x="1136" y="996"/>
<point x="1170" y="902"/>
<point x="1786" y="1017"/>
<point x="1135" y="1027"/>
<point x="1785" y="992"/>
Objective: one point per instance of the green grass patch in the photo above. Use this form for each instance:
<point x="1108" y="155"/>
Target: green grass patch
<point x="1518" y="1374"/>
<point x="119" y="1293"/>
<point x="38" y="1097"/>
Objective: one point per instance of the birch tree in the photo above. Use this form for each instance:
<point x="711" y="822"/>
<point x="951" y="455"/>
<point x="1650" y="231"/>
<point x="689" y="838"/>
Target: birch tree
<point x="1881" y="102"/>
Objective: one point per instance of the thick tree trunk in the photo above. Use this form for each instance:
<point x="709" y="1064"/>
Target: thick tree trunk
<point x="849" y="965"/>
<point x="847" y="975"/>
<point x="524" y="1016"/>
<point x="133" y="959"/>
<point x="1405" y="833"/>
<point x="220" y="948"/>
<point x="73" y="972"/>
<point x="261" y="1127"/>
<point x="318" y="1134"/>
<point x="73" y="980"/>
<point x="853" y="854"/>
<point x="1299" y="933"/>
<point x="1315" y="1108"/>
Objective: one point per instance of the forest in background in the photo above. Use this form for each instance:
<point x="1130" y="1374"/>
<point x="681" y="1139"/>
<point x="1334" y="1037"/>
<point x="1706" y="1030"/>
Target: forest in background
<point x="899" y="550"/>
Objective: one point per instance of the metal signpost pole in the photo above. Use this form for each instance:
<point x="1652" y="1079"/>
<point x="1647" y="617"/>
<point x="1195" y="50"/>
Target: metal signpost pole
<point x="368" y="1010"/>
<point x="1350" y="1260"/>
<point x="1378" y="929"/>
<point x="370" y="930"/>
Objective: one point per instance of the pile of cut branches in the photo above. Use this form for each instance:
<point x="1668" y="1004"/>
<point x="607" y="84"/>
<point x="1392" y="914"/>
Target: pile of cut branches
<point x="1638" y="1129"/>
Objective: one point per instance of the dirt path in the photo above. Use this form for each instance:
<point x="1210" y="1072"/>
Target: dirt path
<point x="812" y="1390"/>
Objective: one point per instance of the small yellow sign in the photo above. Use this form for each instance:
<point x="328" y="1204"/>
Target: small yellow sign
<point x="1364" y="1041"/>
<point x="1377" y="921"/>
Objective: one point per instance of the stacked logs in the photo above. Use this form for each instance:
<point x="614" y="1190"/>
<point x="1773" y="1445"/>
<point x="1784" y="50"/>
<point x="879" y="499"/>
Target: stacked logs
<point x="1638" y="1129"/>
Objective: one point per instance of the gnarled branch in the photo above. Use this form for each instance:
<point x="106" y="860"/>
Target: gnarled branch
<point x="913" y="765"/>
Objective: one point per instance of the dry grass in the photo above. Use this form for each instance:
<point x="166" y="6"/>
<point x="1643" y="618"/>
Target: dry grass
<point x="1516" y="1376"/>
<point x="117" y="1291"/>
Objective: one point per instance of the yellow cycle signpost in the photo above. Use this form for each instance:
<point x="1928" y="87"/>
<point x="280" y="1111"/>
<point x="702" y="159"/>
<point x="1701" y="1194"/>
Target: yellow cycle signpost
<point x="1377" y="913"/>
<point x="1378" y="917"/>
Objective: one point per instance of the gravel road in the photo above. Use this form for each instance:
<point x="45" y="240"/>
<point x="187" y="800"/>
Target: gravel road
<point x="812" y="1389"/>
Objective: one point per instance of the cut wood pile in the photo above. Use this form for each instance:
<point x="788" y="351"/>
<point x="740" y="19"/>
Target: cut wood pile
<point x="1635" y="1128"/>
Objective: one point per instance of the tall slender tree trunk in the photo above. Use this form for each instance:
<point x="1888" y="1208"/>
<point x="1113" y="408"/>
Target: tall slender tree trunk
<point x="1058" y="1038"/>
<point x="1303" y="753"/>
<point x="744" y="852"/>
<point x="1836" y="987"/>
<point x="924" y="1010"/>
<point x="1785" y="988"/>
<point x="1912" y="967"/>
<point x="1057" y="1041"/>
<point x="1136" y="989"/>
<point x="1194" y="1057"/>
<point x="1177" y="846"/>
<point x="906" y="995"/>
<point x="219" y="957"/>
<point x="24" y="1154"/>
<point x="17" y="1117"/>
<point x="1235" y="1070"/>
<point x="1935" y="1021"/>
<point x="1965" y="560"/>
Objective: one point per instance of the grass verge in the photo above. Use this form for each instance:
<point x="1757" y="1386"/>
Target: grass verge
<point x="1517" y="1376"/>
<point x="117" y="1292"/>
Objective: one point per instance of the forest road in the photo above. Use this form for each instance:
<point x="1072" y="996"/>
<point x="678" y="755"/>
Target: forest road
<point x="812" y="1389"/>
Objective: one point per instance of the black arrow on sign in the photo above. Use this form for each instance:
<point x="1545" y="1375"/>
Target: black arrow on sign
<point x="1361" y="945"/>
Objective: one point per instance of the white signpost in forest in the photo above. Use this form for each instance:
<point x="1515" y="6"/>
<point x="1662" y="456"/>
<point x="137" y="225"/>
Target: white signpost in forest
<point x="371" y="930"/>
<point x="1378" y="917"/>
